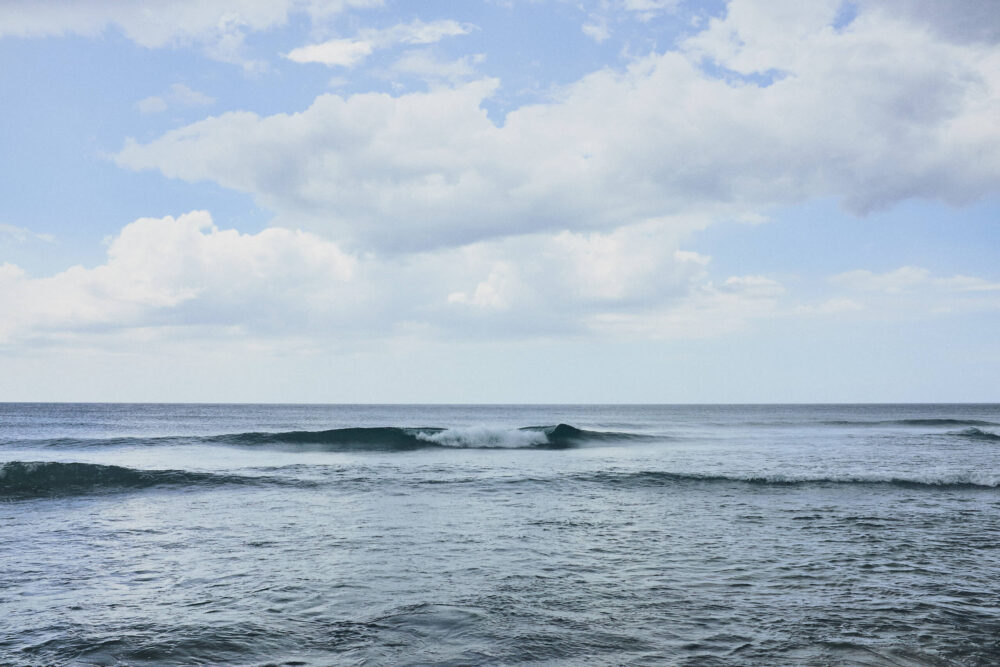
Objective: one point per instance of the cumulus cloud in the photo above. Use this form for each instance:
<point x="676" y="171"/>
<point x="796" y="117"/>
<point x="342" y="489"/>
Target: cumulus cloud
<point x="569" y="273"/>
<point x="349" y="52"/>
<point x="181" y="271"/>
<point x="568" y="217"/>
<point x="872" y="114"/>
<point x="165" y="276"/>
<point x="168" y="274"/>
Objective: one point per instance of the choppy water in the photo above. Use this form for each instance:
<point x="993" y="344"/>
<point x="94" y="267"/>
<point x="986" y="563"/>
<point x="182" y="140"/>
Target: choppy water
<point x="688" y="535"/>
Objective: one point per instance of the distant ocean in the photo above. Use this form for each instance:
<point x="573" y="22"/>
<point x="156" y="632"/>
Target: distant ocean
<point x="466" y="535"/>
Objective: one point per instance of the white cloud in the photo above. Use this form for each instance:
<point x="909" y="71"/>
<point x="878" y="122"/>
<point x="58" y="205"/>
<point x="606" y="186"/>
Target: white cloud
<point x="218" y="26"/>
<point x="418" y="32"/>
<point x="349" y="52"/>
<point x="426" y="65"/>
<point x="710" y="311"/>
<point x="21" y="235"/>
<point x="336" y="52"/>
<point x="912" y="292"/>
<point x="648" y="9"/>
<point x="543" y="284"/>
<point x="184" y="96"/>
<point x="648" y="5"/>
<point x="179" y="95"/>
<point x="164" y="277"/>
<point x="870" y="115"/>
<point x="572" y="273"/>
<point x="756" y="37"/>
<point x="170" y="274"/>
<point x="152" y="104"/>
<point x="910" y="279"/>
<point x="182" y="271"/>
<point x="571" y="215"/>
<point x="597" y="31"/>
<point x="494" y="292"/>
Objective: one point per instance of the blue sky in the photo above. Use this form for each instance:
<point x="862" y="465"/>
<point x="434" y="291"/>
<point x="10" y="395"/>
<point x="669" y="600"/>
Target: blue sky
<point x="500" y="201"/>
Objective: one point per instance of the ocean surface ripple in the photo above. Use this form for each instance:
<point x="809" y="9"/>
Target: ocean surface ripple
<point x="645" y="535"/>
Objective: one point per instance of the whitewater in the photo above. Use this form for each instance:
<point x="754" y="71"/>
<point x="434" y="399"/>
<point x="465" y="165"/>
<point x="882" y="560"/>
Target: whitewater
<point x="331" y="534"/>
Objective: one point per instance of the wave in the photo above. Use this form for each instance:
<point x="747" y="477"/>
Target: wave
<point x="370" y="439"/>
<point x="657" y="478"/>
<point x="95" y="443"/>
<point x="912" y="422"/>
<point x="34" y="479"/>
<point x="976" y="434"/>
<point x="397" y="439"/>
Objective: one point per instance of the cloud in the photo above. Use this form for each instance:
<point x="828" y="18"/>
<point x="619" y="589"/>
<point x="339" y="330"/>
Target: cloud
<point x="597" y="31"/>
<point x="217" y="26"/>
<point x="426" y="65"/>
<point x="648" y="9"/>
<point x="181" y="271"/>
<point x="418" y="32"/>
<point x="912" y="292"/>
<point x="171" y="274"/>
<point x="910" y="279"/>
<point x="166" y="276"/>
<point x="603" y="12"/>
<point x="179" y="95"/>
<point x="21" y="235"/>
<point x="572" y="273"/>
<point x="870" y="115"/>
<point x="710" y="311"/>
<point x="152" y="104"/>
<point x="349" y="52"/>
<point x="958" y="20"/>
<point x="648" y="5"/>
<point x="336" y="52"/>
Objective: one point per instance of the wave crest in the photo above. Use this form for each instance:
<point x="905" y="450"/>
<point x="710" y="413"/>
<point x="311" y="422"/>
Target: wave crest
<point x="397" y="439"/>
<point x="977" y="434"/>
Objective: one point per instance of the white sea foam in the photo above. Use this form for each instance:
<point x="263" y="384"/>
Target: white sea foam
<point x="486" y="437"/>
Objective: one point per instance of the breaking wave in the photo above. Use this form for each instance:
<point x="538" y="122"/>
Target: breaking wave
<point x="34" y="479"/>
<point x="370" y="439"/>
<point x="396" y="439"/>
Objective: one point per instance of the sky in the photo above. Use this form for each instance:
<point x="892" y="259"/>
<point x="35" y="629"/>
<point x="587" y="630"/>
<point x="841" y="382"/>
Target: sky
<point x="513" y="201"/>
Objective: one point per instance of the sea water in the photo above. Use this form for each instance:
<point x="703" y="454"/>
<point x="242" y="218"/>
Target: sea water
<point x="328" y="535"/>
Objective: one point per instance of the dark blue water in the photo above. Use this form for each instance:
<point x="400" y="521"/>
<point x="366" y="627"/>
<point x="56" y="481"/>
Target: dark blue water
<point x="318" y="535"/>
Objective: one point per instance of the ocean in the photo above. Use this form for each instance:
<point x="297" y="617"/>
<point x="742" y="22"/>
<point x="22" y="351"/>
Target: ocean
<point x="493" y="535"/>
